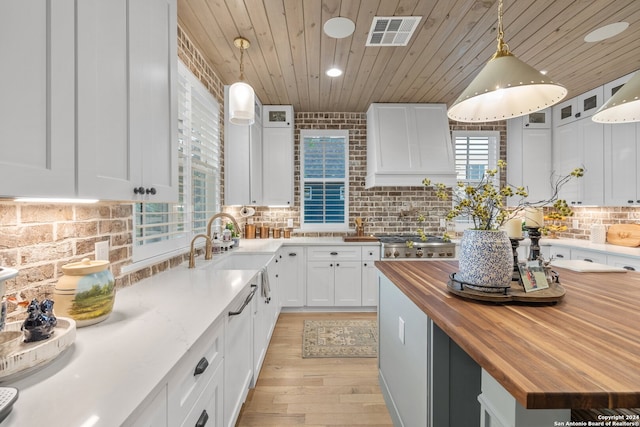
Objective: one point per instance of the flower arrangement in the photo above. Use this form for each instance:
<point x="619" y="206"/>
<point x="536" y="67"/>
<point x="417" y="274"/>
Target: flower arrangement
<point x="483" y="201"/>
<point x="554" y="220"/>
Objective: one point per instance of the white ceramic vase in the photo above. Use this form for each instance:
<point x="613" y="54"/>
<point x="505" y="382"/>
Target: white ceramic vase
<point x="485" y="259"/>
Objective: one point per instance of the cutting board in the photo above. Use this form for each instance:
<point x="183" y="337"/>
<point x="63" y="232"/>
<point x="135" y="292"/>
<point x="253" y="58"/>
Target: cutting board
<point x="360" y="239"/>
<point x="624" y="235"/>
<point x="582" y="266"/>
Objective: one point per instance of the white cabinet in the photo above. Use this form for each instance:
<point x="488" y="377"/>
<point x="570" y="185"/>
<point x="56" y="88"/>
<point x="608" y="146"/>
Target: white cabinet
<point x="580" y="107"/>
<point x="37" y="102"/>
<point x="370" y="275"/>
<point x="192" y="375"/>
<point x="154" y="413"/>
<point x="580" y="144"/>
<point x="591" y="256"/>
<point x="621" y="157"/>
<point x="291" y="276"/>
<point x="538" y="120"/>
<point x="559" y="252"/>
<point x="407" y="143"/>
<point x="334" y="276"/>
<point x="632" y="264"/>
<point x="238" y="363"/>
<point x="113" y="95"/>
<point x="265" y="313"/>
<point x="208" y="408"/>
<point x="243" y="159"/>
<point x="277" y="166"/>
<point x="127" y="109"/>
<point x="529" y="158"/>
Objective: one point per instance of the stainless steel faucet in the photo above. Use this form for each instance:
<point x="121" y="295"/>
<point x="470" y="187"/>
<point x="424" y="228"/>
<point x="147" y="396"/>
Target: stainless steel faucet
<point x="207" y="250"/>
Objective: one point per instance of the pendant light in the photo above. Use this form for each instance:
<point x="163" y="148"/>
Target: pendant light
<point x="241" y="95"/>
<point x="505" y="88"/>
<point x="623" y="106"/>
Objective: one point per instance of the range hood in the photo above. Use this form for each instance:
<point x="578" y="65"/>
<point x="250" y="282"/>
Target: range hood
<point x="407" y="143"/>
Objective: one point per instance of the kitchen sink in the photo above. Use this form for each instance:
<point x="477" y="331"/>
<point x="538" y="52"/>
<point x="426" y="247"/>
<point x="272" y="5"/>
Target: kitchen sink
<point x="240" y="261"/>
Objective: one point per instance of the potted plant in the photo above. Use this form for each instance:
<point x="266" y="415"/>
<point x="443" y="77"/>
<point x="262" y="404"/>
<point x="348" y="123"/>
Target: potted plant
<point x="486" y="256"/>
<point x="235" y="236"/>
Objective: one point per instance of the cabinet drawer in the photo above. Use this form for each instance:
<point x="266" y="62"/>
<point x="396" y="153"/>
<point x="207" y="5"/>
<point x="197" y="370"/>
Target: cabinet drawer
<point x="209" y="405"/>
<point x="632" y="264"/>
<point x="195" y="370"/>
<point x="560" y="252"/>
<point x="370" y="253"/>
<point x="589" y="256"/>
<point x="330" y="253"/>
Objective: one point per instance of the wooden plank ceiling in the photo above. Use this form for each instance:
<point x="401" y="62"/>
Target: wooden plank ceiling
<point x="290" y="53"/>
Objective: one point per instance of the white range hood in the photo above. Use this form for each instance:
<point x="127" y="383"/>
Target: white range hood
<point x="407" y="143"/>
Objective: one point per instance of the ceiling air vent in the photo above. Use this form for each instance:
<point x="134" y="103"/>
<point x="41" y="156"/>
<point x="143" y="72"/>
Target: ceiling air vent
<point x="392" y="30"/>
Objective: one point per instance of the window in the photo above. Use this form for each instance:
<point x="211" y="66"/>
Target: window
<point x="475" y="152"/>
<point x="324" y="180"/>
<point x="161" y="228"/>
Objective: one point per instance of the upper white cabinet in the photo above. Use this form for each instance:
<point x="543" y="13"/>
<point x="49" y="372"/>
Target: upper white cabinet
<point x="407" y="143"/>
<point x="127" y="106"/>
<point x="37" y="101"/>
<point x="242" y="159"/>
<point x="529" y="156"/>
<point x="259" y="158"/>
<point x="537" y="120"/>
<point x="580" y="107"/>
<point x="278" y="116"/>
<point x="580" y="144"/>
<point x="622" y="155"/>
<point x="94" y="95"/>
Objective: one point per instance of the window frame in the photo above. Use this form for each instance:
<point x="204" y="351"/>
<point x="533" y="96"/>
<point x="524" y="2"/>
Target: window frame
<point x="493" y="154"/>
<point x="324" y="227"/>
<point x="150" y="253"/>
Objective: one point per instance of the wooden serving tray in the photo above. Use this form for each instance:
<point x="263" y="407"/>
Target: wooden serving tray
<point x="32" y="355"/>
<point x="360" y="239"/>
<point x="551" y="295"/>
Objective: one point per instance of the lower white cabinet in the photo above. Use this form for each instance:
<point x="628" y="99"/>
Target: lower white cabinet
<point x="370" y="275"/>
<point x="590" y="256"/>
<point x="631" y="264"/>
<point x="154" y="413"/>
<point x="291" y="276"/>
<point x="332" y="283"/>
<point x="208" y="408"/>
<point x="194" y="372"/>
<point x="238" y="366"/>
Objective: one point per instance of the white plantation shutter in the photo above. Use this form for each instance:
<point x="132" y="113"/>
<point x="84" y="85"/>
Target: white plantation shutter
<point x="161" y="228"/>
<point x="324" y="179"/>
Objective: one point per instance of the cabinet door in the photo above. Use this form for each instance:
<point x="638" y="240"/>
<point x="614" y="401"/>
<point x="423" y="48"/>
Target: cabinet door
<point x="592" y="183"/>
<point x="37" y="102"/>
<point x="632" y="264"/>
<point x="153" y="107"/>
<point x="567" y="151"/>
<point x="255" y="165"/>
<point x="291" y="276"/>
<point x="369" y="284"/>
<point x="208" y="409"/>
<point x="590" y="256"/>
<point x="565" y="112"/>
<point x="277" y="116"/>
<point x="558" y="252"/>
<point x="277" y="166"/>
<point x="348" y="283"/>
<point x="154" y="414"/>
<point x="537" y="120"/>
<point x="620" y="164"/>
<point x="261" y="326"/>
<point x="589" y="102"/>
<point x="536" y="162"/>
<point x="320" y="283"/>
<point x="105" y="166"/>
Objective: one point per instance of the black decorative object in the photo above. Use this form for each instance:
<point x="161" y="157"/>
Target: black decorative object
<point x="534" y="235"/>
<point x="40" y="322"/>
<point x="515" y="242"/>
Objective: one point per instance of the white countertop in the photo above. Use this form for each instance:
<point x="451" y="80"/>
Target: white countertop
<point x="114" y="365"/>
<point x="586" y="244"/>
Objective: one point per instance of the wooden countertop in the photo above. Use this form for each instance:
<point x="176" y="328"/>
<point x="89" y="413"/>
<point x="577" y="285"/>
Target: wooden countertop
<point x="583" y="352"/>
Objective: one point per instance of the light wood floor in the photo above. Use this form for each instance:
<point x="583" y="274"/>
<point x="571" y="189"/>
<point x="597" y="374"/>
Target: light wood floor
<point x="292" y="391"/>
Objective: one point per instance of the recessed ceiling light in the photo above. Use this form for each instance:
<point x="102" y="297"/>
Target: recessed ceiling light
<point x="339" y="27"/>
<point x="334" y="72"/>
<point x="606" y="32"/>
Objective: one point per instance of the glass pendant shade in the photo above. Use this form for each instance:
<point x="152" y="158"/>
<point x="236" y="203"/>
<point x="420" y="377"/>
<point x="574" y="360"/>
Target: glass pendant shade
<point x="505" y="88"/>
<point x="623" y="106"/>
<point x="241" y="104"/>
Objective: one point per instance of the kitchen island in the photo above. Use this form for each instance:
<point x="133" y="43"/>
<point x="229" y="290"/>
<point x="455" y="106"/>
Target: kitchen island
<point x="536" y="362"/>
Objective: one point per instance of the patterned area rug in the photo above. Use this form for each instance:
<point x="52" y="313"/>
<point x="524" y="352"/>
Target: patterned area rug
<point x="340" y="338"/>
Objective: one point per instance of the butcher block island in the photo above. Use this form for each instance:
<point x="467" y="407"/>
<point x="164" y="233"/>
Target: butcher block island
<point x="511" y="364"/>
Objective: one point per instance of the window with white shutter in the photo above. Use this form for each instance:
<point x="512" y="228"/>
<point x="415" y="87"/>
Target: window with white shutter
<point x="324" y="180"/>
<point x="164" y="228"/>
